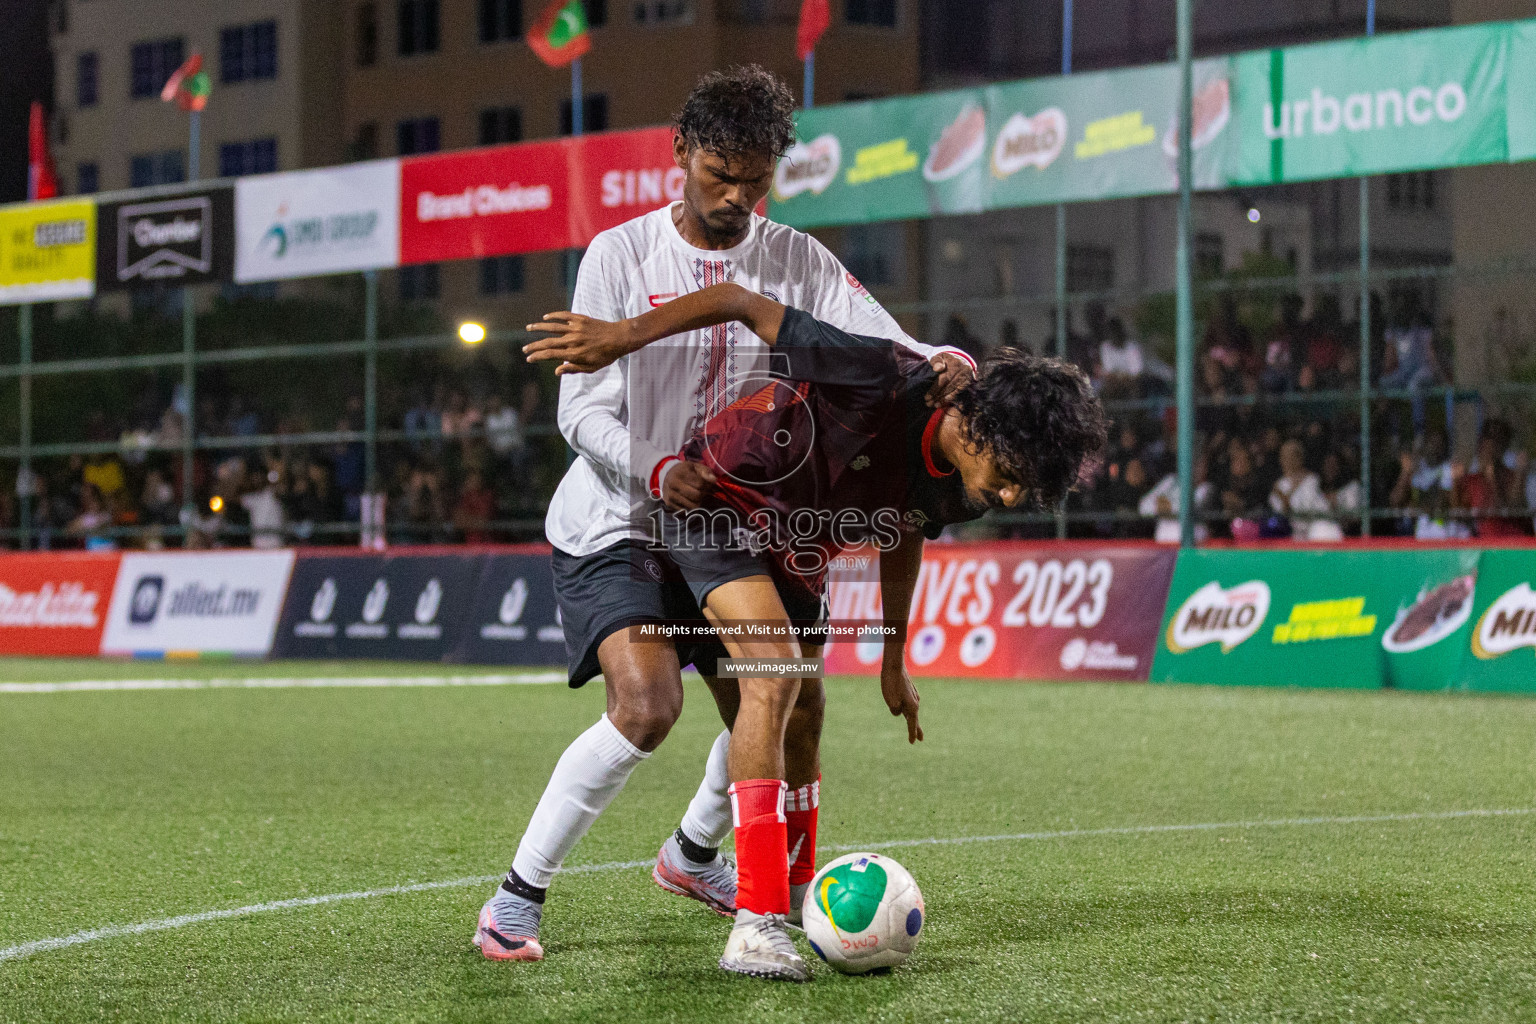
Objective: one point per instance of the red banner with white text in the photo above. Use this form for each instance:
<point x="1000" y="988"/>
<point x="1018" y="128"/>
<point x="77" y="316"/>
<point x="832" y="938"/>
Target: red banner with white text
<point x="1014" y="610"/>
<point x="55" y="603"/>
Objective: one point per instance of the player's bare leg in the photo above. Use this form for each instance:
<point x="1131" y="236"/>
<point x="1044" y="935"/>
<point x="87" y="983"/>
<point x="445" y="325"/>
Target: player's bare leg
<point x="759" y="944"/>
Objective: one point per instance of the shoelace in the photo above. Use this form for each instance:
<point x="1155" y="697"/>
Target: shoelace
<point x="774" y="928"/>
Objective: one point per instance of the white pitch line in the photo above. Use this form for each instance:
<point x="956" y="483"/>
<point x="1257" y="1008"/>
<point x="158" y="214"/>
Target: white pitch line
<point x="166" y="923"/>
<point x="260" y="683"/>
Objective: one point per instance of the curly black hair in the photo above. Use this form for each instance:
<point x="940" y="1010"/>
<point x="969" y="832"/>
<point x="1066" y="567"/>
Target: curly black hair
<point x="1037" y="417"/>
<point x="741" y="110"/>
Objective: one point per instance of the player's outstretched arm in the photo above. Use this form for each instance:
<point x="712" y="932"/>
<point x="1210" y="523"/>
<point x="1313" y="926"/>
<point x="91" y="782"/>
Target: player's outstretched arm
<point x="898" y="580"/>
<point x="582" y="344"/>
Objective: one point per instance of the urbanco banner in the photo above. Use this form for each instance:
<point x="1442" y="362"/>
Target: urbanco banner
<point x="327" y="221"/>
<point x="1007" y="610"/>
<point x="196" y="602"/>
<point x="55" y="603"/>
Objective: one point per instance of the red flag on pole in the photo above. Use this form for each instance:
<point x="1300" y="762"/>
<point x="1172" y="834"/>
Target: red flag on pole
<point x="188" y="86"/>
<point x="560" y="35"/>
<point x="815" y="18"/>
<point x="41" y="183"/>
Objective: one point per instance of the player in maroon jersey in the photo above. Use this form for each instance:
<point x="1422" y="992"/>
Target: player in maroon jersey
<point x="838" y="448"/>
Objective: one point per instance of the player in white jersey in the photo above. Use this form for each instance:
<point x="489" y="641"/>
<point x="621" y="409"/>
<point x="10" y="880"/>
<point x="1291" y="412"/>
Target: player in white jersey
<point x="625" y="423"/>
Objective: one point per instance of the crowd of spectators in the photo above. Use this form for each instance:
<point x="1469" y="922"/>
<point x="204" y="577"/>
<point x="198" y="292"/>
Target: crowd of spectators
<point x="457" y="464"/>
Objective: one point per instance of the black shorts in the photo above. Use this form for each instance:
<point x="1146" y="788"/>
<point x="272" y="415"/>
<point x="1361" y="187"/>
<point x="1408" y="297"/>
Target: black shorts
<point x="724" y="561"/>
<point x="623" y="585"/>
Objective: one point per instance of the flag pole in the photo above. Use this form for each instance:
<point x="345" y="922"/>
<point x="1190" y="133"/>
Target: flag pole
<point x="810" y="80"/>
<point x="189" y="354"/>
<point x="573" y="256"/>
<point x="1365" y="325"/>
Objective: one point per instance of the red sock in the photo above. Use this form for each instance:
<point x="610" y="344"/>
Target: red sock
<point x="762" y="870"/>
<point x="800" y="822"/>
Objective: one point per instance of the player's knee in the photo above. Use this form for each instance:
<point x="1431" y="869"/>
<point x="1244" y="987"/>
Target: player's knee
<point x="811" y="706"/>
<point x="646" y="722"/>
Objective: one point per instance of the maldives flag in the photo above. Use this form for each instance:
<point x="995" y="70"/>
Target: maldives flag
<point x="815" y="17"/>
<point x="189" y="85"/>
<point x="560" y="35"/>
<point x="41" y="183"/>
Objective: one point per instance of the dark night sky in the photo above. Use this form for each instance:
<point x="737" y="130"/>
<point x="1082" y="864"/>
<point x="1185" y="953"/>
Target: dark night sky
<point x="26" y="74"/>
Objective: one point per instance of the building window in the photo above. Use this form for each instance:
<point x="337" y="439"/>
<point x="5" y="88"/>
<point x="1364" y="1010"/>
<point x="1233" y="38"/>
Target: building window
<point x="1090" y="268"/>
<point x="594" y="114"/>
<point x="663" y="12"/>
<point x="367" y="35"/>
<point x="500" y="124"/>
<point x="875" y="253"/>
<point x="597" y="13"/>
<point x="87" y="67"/>
<point x="417" y="135"/>
<point x="1412" y="191"/>
<point x="500" y="20"/>
<point x="259" y="156"/>
<point x="248" y="52"/>
<point x="1210" y="254"/>
<point x="164" y="168"/>
<point x="87" y="178"/>
<point x="419" y="283"/>
<point x="501" y="275"/>
<point x="152" y="63"/>
<point x="879" y="13"/>
<point x="366" y="145"/>
<point x="418" y="27"/>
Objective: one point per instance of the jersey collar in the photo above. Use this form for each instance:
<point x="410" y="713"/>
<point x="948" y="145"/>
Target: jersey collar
<point x="930" y="432"/>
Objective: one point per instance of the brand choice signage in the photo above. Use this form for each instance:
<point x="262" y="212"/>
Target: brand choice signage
<point x="327" y="221"/>
<point x="175" y="240"/>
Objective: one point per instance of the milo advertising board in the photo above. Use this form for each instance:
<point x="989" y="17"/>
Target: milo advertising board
<point x="1501" y="655"/>
<point x="1318" y="618"/>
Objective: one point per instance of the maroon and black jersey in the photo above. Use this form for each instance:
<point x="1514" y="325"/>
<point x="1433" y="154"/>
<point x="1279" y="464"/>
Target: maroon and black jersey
<point x="834" y="449"/>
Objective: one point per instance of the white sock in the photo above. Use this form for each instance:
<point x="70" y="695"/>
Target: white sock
<point x="708" y="820"/>
<point x="586" y="779"/>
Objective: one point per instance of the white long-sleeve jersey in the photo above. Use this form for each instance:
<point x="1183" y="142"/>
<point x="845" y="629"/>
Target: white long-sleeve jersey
<point x="625" y="419"/>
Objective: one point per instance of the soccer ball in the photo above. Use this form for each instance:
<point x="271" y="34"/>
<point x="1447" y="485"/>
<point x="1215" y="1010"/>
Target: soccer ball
<point x="863" y="912"/>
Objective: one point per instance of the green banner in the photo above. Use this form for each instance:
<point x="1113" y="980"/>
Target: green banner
<point x="1521" y="99"/>
<point x="1048" y="140"/>
<point x="1329" y="618"/>
<point x="1368" y="106"/>
<point x="1438" y="98"/>
<point x="1501" y="648"/>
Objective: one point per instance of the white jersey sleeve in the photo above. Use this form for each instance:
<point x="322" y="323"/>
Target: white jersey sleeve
<point x="591" y="412"/>
<point x="840" y="300"/>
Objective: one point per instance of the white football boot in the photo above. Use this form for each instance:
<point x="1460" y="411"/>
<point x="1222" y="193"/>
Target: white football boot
<point x="760" y="946"/>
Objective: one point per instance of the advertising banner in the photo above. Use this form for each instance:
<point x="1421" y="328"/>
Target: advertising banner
<point x="181" y="239"/>
<point x="616" y="176"/>
<point x="513" y="619"/>
<point x="1013" y="611"/>
<point x="196" y="602"/>
<point x="1367" y="106"/>
<point x="410" y="607"/>
<point x="1046" y="140"/>
<point x="1522" y="86"/>
<point x="1363" y="618"/>
<point x="484" y="202"/>
<point x="327" y="221"/>
<point x="55" y="603"/>
<point x="47" y="251"/>
<point x="1501" y="653"/>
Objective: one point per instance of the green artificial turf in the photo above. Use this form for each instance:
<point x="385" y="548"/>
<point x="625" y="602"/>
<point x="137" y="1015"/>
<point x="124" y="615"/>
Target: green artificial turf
<point x="120" y="807"/>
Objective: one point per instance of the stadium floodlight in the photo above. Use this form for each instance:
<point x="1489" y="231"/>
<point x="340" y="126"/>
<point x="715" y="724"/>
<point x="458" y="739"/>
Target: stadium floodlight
<point x="471" y="333"/>
<point x="1253" y="215"/>
<point x="215" y="504"/>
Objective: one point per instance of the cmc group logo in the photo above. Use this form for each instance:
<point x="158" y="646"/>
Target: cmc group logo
<point x="1213" y="615"/>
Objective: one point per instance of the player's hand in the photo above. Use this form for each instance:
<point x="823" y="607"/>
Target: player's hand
<point x="580" y="344"/>
<point x="954" y="374"/>
<point x="686" y="485"/>
<point x="900" y="695"/>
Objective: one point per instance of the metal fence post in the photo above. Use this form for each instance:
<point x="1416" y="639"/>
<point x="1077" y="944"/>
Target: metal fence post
<point x="1186" y="327"/>
<point x="370" y="380"/>
<point x="1062" y="319"/>
<point x="189" y="428"/>
<point x="26" y="484"/>
<point x="1365" y="326"/>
